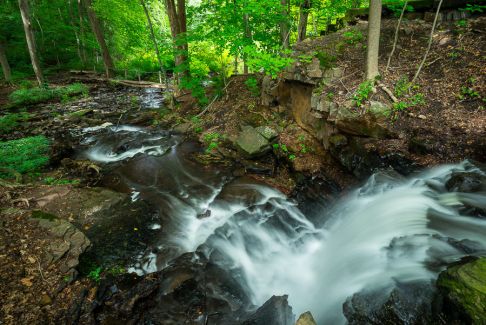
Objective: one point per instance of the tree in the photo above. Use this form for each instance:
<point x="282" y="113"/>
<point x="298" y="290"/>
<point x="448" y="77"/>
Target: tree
<point x="374" y="27"/>
<point x="305" y="6"/>
<point x="4" y="62"/>
<point x="98" y="32"/>
<point x="284" y="26"/>
<point x="178" y="27"/>
<point x="29" y="36"/>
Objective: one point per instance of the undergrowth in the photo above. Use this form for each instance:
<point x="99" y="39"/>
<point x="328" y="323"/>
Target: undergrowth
<point x="24" y="155"/>
<point x="29" y="96"/>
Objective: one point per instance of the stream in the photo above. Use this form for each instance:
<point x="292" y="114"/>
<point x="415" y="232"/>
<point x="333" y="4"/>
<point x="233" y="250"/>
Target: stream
<point x="392" y="230"/>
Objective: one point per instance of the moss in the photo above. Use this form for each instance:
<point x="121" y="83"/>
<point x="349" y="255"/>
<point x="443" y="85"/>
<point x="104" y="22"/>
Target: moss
<point x="465" y="287"/>
<point x="37" y="214"/>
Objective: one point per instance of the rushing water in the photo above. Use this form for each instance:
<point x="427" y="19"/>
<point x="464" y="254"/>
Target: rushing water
<point x="388" y="231"/>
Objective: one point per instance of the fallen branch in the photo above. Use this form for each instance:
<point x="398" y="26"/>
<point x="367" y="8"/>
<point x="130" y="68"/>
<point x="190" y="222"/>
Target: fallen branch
<point x="389" y="92"/>
<point x="214" y="99"/>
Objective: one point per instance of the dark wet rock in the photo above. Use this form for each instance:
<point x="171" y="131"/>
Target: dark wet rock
<point x="466" y="182"/>
<point x="406" y="304"/>
<point x="190" y="290"/>
<point x="183" y="128"/>
<point x="420" y="146"/>
<point x="462" y="293"/>
<point x="275" y="311"/>
<point x="306" y="319"/>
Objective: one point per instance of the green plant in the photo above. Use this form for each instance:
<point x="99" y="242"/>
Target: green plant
<point x="29" y="96"/>
<point x="23" y="155"/>
<point x="468" y="90"/>
<point x="472" y="8"/>
<point x="396" y="9"/>
<point x="304" y="58"/>
<point x="461" y="23"/>
<point x="363" y="92"/>
<point x="95" y="274"/>
<point x="9" y="122"/>
<point x="212" y="139"/>
<point x="402" y="86"/>
<point x="292" y="157"/>
<point x="352" y="37"/>
<point x="453" y="55"/>
<point x="55" y="181"/>
<point x="326" y="60"/>
<point x="330" y="95"/>
<point x="252" y="85"/>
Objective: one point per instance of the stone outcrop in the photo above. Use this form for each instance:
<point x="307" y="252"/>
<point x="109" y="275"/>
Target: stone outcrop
<point x="306" y="319"/>
<point x="255" y="142"/>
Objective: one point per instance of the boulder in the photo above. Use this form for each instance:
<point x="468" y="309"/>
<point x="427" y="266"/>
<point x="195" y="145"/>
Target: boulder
<point x="406" y="304"/>
<point x="462" y="292"/>
<point x="275" y="311"/>
<point x="306" y="319"/>
<point x="252" y="143"/>
<point x="370" y="123"/>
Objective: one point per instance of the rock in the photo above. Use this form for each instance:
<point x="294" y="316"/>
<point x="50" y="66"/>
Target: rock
<point x="466" y="182"/>
<point x="422" y="117"/>
<point x="275" y="311"/>
<point x="406" y="304"/>
<point x="371" y="123"/>
<point x="462" y="292"/>
<point x="251" y="143"/>
<point x="70" y="241"/>
<point x="314" y="69"/>
<point x="269" y="91"/>
<point x="45" y="300"/>
<point x="183" y="127"/>
<point x="267" y="132"/>
<point x="306" y="319"/>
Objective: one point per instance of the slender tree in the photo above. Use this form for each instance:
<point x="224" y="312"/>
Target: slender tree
<point x="98" y="32"/>
<point x="305" y="5"/>
<point x="395" y="40"/>
<point x="29" y="36"/>
<point x="284" y="25"/>
<point x="176" y="10"/>
<point x="374" y="27"/>
<point x="4" y="62"/>
<point x="246" y="25"/>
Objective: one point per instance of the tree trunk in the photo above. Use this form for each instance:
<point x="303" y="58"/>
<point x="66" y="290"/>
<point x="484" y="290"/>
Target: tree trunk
<point x="374" y="27"/>
<point x="246" y="25"/>
<point x="76" y="34"/>
<point x="29" y="36"/>
<point x="4" y="62"/>
<point x="82" y="37"/>
<point x="97" y="31"/>
<point x="178" y="27"/>
<point x="284" y="25"/>
<point x="154" y="40"/>
<point x="303" y="18"/>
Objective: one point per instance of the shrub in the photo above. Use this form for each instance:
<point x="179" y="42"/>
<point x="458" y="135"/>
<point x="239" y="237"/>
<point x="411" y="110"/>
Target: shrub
<point x="252" y="85"/>
<point x="9" y="122"/>
<point x="23" y="155"/>
<point x="363" y="92"/>
<point x="28" y="96"/>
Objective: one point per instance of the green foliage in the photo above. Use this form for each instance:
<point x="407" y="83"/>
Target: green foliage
<point x="363" y="92"/>
<point x="473" y="8"/>
<point x="396" y="8"/>
<point x="212" y="139"/>
<point x="29" y="96"/>
<point x="252" y="85"/>
<point x="95" y="274"/>
<point x="353" y="37"/>
<point x="56" y="181"/>
<point x="461" y="23"/>
<point x="10" y="122"/>
<point x="326" y="60"/>
<point x="468" y="91"/>
<point x="304" y="58"/>
<point x="25" y="155"/>
<point x="402" y="86"/>
<point x="269" y="63"/>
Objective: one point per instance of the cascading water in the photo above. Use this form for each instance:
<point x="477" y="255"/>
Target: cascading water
<point x="391" y="230"/>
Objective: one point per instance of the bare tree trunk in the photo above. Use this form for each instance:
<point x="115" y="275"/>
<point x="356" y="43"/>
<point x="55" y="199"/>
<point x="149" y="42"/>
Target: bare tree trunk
<point x="246" y="25"/>
<point x="97" y="31"/>
<point x="76" y="35"/>
<point x="284" y="25"/>
<point x="154" y="40"/>
<point x="4" y="62"/>
<point x="82" y="37"/>
<point x="29" y="36"/>
<point x="374" y="27"/>
<point x="178" y="27"/>
<point x="430" y="43"/>
<point x="397" y="30"/>
<point x="303" y="19"/>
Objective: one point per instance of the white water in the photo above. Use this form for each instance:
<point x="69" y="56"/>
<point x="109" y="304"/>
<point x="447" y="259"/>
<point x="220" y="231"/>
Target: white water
<point x="390" y="230"/>
<point x="377" y="235"/>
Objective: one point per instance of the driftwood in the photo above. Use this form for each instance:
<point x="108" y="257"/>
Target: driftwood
<point x="94" y="76"/>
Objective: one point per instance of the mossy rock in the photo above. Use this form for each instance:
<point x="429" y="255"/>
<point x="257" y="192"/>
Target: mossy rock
<point x="463" y="288"/>
<point x="37" y="214"/>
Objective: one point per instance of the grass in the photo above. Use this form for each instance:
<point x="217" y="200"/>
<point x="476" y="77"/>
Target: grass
<point x="29" y="96"/>
<point x="26" y="155"/>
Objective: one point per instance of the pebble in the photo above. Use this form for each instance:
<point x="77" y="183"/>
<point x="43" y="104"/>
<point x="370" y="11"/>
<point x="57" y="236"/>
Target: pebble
<point x="422" y="117"/>
<point x="45" y="300"/>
